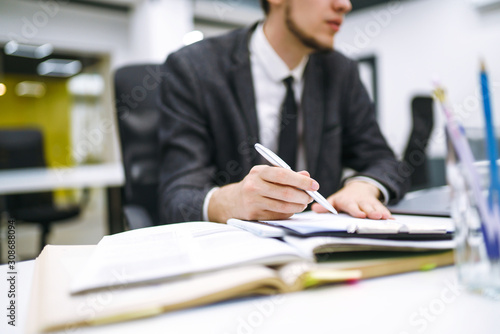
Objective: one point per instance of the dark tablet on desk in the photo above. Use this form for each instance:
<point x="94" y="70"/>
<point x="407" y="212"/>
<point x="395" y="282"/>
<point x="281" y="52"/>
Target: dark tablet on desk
<point x="426" y="202"/>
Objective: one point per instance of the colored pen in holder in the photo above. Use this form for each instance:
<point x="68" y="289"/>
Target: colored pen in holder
<point x="491" y="232"/>
<point x="476" y="227"/>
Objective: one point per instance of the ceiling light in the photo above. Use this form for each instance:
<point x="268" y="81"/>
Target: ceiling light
<point x="30" y="89"/>
<point x="59" y="67"/>
<point x="192" y="37"/>
<point x="3" y="89"/>
<point x="13" y="48"/>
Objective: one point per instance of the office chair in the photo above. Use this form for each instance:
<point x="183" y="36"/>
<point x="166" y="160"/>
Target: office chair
<point x="136" y="89"/>
<point x="23" y="148"/>
<point x="415" y="153"/>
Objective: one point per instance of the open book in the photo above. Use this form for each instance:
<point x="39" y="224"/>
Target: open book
<point x="54" y="308"/>
<point x="170" y="252"/>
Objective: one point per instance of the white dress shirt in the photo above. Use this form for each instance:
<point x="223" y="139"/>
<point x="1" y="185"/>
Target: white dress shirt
<point x="268" y="73"/>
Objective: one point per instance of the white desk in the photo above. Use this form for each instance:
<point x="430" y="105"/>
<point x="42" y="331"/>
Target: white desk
<point x="420" y="302"/>
<point x="44" y="179"/>
<point x="109" y="175"/>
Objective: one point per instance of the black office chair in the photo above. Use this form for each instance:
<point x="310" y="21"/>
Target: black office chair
<point x="23" y="148"/>
<point x="415" y="153"/>
<point x="136" y="89"/>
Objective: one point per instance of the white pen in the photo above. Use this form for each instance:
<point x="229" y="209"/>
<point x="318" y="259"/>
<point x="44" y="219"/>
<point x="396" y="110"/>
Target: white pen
<point x="274" y="159"/>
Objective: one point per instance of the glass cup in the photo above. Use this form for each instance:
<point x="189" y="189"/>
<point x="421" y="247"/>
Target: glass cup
<point x="476" y="270"/>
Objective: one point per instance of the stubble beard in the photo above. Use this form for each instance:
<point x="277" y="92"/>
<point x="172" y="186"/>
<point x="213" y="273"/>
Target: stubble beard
<point x="302" y="36"/>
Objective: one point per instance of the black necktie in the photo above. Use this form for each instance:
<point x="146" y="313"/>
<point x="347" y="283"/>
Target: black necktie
<point x="287" y="148"/>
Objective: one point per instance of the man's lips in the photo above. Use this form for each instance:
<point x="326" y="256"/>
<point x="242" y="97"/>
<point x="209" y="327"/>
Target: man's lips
<point x="335" y="24"/>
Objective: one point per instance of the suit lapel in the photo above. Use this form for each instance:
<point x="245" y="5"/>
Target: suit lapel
<point x="313" y="109"/>
<point x="241" y="80"/>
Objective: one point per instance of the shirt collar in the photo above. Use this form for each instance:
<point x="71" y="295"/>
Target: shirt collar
<point x="270" y="61"/>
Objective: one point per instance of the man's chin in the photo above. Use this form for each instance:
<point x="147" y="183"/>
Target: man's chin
<point x="323" y="47"/>
<point x="317" y="46"/>
<point x="314" y="44"/>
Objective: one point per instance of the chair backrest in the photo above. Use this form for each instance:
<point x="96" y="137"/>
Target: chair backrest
<point x="136" y="90"/>
<point x="415" y="153"/>
<point x="23" y="148"/>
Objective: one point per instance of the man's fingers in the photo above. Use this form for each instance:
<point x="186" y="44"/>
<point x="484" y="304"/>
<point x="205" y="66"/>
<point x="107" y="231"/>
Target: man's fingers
<point x="370" y="211"/>
<point x="352" y="208"/>
<point x="355" y="211"/>
<point x="304" y="172"/>
<point x="274" y="205"/>
<point x="375" y="210"/>
<point x="382" y="210"/>
<point x="286" y="194"/>
<point x="290" y="178"/>
<point x="319" y="208"/>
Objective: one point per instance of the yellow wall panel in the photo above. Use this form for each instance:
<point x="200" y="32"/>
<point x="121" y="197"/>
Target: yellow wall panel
<point x="50" y="113"/>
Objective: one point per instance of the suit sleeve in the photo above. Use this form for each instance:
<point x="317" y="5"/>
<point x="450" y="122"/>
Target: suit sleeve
<point x="364" y="148"/>
<point x="185" y="144"/>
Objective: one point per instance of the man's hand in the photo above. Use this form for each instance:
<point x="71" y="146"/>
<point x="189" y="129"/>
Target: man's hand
<point x="359" y="199"/>
<point x="265" y="193"/>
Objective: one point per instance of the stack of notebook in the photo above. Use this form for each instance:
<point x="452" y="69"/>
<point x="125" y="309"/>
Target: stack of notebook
<point x="158" y="269"/>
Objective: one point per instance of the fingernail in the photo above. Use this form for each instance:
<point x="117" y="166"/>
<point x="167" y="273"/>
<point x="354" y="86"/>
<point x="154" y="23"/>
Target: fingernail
<point x="315" y="185"/>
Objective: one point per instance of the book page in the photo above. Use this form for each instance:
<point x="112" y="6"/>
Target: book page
<point x="311" y="222"/>
<point x="170" y="251"/>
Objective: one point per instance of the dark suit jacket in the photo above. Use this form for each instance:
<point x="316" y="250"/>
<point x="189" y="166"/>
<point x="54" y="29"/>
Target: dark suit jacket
<point x="209" y="124"/>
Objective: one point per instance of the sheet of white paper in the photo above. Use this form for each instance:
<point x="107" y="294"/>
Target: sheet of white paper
<point x="170" y="251"/>
<point x="311" y="222"/>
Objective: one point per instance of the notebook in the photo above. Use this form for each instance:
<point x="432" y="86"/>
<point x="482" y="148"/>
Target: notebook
<point x="308" y="224"/>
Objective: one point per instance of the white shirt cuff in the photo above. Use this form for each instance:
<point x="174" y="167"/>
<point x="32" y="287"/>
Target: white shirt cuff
<point x="207" y="201"/>
<point x="383" y="190"/>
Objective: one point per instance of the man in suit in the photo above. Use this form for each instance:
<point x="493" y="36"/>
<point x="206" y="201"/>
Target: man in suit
<point x="280" y="83"/>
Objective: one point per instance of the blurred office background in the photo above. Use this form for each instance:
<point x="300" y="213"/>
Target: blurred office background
<point x="58" y="57"/>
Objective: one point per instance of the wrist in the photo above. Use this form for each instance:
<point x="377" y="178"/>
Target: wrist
<point x="220" y="206"/>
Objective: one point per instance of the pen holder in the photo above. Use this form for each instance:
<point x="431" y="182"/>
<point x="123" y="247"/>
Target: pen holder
<point x="477" y="271"/>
